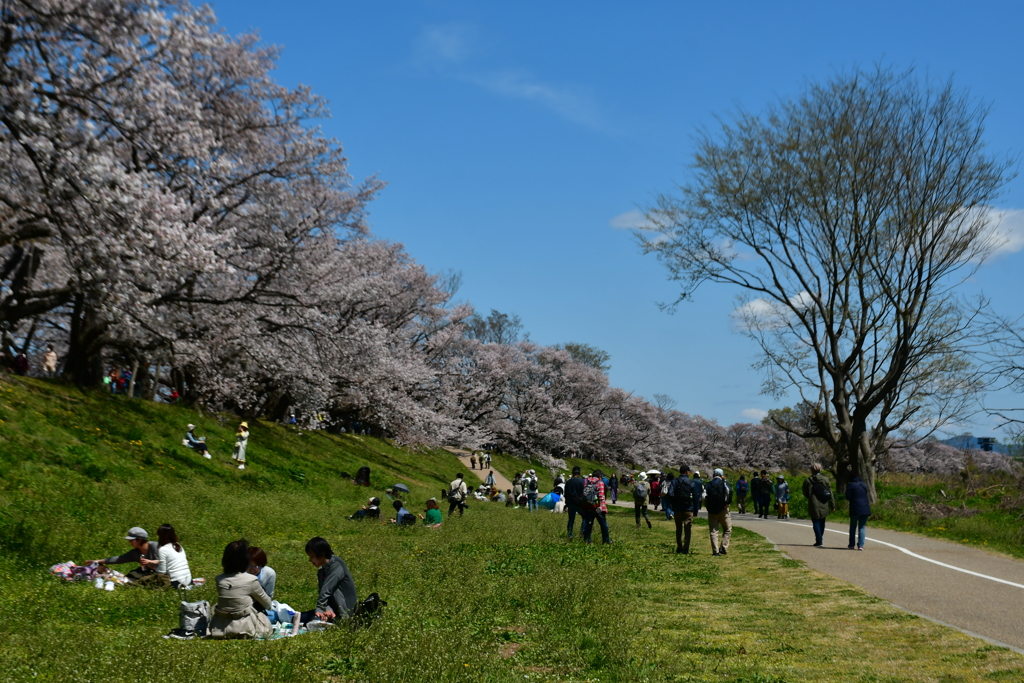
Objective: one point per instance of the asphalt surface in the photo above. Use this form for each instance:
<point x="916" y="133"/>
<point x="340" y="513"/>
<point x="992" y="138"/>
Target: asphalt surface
<point x="978" y="592"/>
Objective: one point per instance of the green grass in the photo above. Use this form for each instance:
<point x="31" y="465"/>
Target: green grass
<point x="497" y="595"/>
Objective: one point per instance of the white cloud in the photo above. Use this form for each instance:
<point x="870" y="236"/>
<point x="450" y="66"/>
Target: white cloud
<point x="1006" y="231"/>
<point x="447" y="49"/>
<point x="631" y="220"/>
<point x="765" y="314"/>
<point x="440" y="47"/>
<point x="754" y="414"/>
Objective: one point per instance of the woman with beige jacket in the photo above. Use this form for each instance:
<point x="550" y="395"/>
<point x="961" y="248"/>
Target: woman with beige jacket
<point x="235" y="616"/>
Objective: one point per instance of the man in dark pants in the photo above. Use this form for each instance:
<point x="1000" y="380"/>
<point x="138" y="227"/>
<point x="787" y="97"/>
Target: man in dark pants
<point x="764" y="494"/>
<point x="681" y="493"/>
<point x="755" y="492"/>
<point x="573" y="498"/>
<point x="457" y="493"/>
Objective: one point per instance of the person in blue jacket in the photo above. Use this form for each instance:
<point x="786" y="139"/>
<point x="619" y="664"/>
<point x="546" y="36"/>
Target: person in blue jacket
<point x="741" y="495"/>
<point x="860" y="510"/>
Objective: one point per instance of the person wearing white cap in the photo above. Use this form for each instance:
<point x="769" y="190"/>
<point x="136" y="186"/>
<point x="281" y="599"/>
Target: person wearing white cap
<point x="196" y="443"/>
<point x="142" y="548"/>
<point x="241" y="441"/>
<point x="718" y="496"/>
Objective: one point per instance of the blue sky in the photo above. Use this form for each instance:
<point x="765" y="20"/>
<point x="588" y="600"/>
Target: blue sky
<point x="515" y="137"/>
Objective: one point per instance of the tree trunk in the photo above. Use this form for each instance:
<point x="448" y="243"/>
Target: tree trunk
<point x="131" y="382"/>
<point x="84" y="364"/>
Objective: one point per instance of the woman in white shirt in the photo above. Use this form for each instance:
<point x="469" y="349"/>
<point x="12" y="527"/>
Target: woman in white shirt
<point x="258" y="568"/>
<point x="172" y="562"/>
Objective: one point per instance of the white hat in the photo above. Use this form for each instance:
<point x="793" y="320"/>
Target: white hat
<point x="191" y="427"/>
<point x="642" y="476"/>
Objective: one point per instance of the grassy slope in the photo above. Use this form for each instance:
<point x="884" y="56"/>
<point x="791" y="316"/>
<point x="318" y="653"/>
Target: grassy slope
<point x="495" y="596"/>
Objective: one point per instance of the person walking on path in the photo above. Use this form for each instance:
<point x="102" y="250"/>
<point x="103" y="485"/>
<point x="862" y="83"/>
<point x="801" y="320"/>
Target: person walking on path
<point x="641" y="490"/>
<point x="764" y="493"/>
<point x="782" y="497"/>
<point x="820" y="501"/>
<point x="681" y="493"/>
<point x="666" y="499"/>
<point x="457" y="495"/>
<point x="241" y="441"/>
<point x="755" y="493"/>
<point x="489" y="479"/>
<point x="717" y="500"/>
<point x="613" y="484"/>
<point x="860" y="510"/>
<point x="655" y="491"/>
<point x="698" y="492"/>
<point x="472" y="462"/>
<point x="574" y="499"/>
<point x="741" y="495"/>
<point x="595" y="507"/>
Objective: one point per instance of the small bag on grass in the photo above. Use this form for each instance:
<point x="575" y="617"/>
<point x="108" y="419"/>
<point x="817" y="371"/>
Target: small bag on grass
<point x="367" y="610"/>
<point x="193" y="617"/>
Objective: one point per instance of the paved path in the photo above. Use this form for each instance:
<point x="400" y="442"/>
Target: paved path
<point x="972" y="590"/>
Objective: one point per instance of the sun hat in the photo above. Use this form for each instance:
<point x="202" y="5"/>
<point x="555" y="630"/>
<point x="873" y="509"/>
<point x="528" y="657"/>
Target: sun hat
<point x="244" y="424"/>
<point x="137" y="532"/>
<point x="642" y="476"/>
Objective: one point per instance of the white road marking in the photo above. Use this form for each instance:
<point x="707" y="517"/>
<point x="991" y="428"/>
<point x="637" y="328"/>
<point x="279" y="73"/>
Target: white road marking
<point x="920" y="557"/>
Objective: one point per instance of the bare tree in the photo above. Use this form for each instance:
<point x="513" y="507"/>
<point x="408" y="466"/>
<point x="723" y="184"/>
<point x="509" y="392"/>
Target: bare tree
<point x="848" y="217"/>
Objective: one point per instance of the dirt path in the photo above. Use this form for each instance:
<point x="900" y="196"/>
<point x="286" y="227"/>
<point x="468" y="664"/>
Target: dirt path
<point x="500" y="480"/>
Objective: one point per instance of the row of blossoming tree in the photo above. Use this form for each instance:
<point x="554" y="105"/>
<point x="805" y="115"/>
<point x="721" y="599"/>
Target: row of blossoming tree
<point x="166" y="206"/>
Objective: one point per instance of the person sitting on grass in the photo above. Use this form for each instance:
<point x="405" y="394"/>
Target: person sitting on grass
<point x="196" y="443"/>
<point x="336" y="588"/>
<point x="264" y="574"/>
<point x="234" y="615"/>
<point x="402" y="516"/>
<point x="433" y="514"/>
<point x="369" y="511"/>
<point x="172" y="566"/>
<point x="142" y="548"/>
<point x="510" y="501"/>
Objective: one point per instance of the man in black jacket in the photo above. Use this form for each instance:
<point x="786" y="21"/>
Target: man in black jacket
<point x="573" y="499"/>
<point x="680" y="493"/>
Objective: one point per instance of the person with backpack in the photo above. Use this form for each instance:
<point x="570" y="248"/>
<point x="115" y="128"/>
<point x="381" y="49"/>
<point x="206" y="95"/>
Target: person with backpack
<point x="782" y="497"/>
<point x="717" y="498"/>
<point x="595" y="507"/>
<point x="860" y="510"/>
<point x="532" y="488"/>
<point x="681" y="494"/>
<point x="641" y="490"/>
<point x="574" y="499"/>
<point x="457" y="495"/>
<point x="741" y="495"/>
<point x="666" y="499"/>
<point x="820" y="502"/>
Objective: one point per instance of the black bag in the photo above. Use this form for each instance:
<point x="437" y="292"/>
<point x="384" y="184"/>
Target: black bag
<point x="367" y="610"/>
<point x="682" y="494"/>
<point x="821" y="491"/>
<point x="717" y="496"/>
<point x="533" y="484"/>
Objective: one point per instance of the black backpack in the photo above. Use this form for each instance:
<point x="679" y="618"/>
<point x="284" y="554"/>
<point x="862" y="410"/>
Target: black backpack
<point x="591" y="498"/>
<point x="821" y="491"/>
<point x="533" y="484"/>
<point x="717" y="495"/>
<point x="682" y="494"/>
